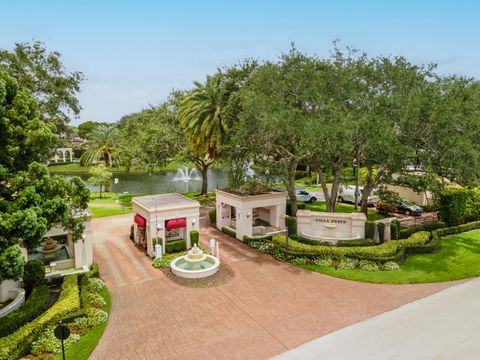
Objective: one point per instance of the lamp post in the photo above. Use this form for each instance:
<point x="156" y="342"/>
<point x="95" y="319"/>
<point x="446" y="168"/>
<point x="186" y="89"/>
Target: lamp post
<point x="123" y="202"/>
<point x="115" y="181"/>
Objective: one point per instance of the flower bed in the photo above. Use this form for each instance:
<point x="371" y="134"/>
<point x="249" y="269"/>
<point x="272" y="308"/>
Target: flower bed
<point x="18" y="343"/>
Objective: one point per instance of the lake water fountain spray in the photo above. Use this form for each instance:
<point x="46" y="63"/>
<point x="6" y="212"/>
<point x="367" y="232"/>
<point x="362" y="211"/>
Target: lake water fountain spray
<point x="185" y="175"/>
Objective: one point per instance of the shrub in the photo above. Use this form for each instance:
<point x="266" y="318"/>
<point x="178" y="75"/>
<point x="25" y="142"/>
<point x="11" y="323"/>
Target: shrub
<point x="394" y="230"/>
<point x="418" y="243"/>
<point x="390" y="266"/>
<point x="249" y="239"/>
<point x="33" y="274"/>
<point x="132" y="233"/>
<point x="457" y="206"/>
<point x="175" y="246"/>
<point x="16" y="344"/>
<point x="48" y="343"/>
<point x="359" y="242"/>
<point x="212" y="216"/>
<point x="305" y="240"/>
<point x="390" y="251"/>
<point x="229" y="232"/>
<point x="94" y="270"/>
<point x="36" y="303"/>
<point x="323" y="261"/>
<point x="96" y="300"/>
<point x="291" y="225"/>
<point x="164" y="262"/>
<point x="194" y="237"/>
<point x="407" y="232"/>
<point x="298" y="261"/>
<point x="381" y="233"/>
<point x="369" y="230"/>
<point x="368" y="265"/>
<point x="347" y="263"/>
<point x="95" y="285"/>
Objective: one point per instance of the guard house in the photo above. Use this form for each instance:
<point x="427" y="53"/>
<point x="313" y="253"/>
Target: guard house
<point x="168" y="216"/>
<point x="252" y="215"/>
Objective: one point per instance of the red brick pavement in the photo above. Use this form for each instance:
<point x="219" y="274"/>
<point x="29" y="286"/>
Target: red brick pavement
<point x="267" y="308"/>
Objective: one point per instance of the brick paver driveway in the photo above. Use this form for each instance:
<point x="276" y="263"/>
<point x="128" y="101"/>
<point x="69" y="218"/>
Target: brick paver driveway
<point x="267" y="308"/>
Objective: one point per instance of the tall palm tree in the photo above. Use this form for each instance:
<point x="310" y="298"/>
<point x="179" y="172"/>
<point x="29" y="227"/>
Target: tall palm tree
<point x="202" y="116"/>
<point x="102" y="146"/>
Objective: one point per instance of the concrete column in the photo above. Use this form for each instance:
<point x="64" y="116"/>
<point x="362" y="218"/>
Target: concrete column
<point x="387" y="236"/>
<point x="63" y="155"/>
<point x="71" y="157"/>
<point x="244" y="223"/>
<point x="223" y="216"/>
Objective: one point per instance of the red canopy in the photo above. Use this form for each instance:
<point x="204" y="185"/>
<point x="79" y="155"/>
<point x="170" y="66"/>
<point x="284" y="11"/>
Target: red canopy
<point x="176" y="223"/>
<point x="140" y="220"/>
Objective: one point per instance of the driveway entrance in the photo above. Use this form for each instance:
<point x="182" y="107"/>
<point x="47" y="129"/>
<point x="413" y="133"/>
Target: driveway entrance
<point x="266" y="309"/>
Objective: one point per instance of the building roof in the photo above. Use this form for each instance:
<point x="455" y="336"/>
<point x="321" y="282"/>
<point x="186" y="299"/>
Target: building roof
<point x="165" y="201"/>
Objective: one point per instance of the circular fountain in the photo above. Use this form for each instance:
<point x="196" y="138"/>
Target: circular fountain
<point x="195" y="264"/>
<point x="49" y="248"/>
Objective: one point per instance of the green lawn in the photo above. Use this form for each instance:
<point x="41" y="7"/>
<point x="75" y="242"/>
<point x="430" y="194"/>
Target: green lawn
<point x="343" y="208"/>
<point x="98" y="212"/>
<point x="77" y="168"/>
<point x="82" y="349"/>
<point x="459" y="258"/>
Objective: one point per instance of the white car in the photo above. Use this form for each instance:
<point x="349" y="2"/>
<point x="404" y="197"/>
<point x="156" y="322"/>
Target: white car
<point x="346" y="193"/>
<point x="305" y="196"/>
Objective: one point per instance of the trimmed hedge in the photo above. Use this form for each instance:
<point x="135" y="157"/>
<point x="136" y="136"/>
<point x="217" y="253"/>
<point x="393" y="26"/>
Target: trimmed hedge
<point x="394" y="230"/>
<point x="36" y="304"/>
<point x="229" y="232"/>
<point x="17" y="344"/>
<point x="369" y="230"/>
<point x="291" y="224"/>
<point x="381" y="232"/>
<point x="455" y="229"/>
<point x="33" y="274"/>
<point x="175" y="246"/>
<point x="457" y="206"/>
<point x="248" y="239"/>
<point x="389" y="251"/>
<point x="359" y="242"/>
<point x="308" y="241"/>
<point x="419" y="243"/>
<point x="194" y="237"/>
<point x="212" y="216"/>
<point x="407" y="232"/>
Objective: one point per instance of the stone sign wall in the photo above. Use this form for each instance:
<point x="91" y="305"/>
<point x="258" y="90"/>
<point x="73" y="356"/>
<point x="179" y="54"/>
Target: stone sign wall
<point x="330" y="226"/>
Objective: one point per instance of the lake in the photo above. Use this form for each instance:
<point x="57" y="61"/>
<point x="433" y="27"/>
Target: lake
<point x="158" y="183"/>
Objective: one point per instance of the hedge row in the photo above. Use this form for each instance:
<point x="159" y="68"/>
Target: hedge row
<point x="248" y="239"/>
<point x="36" y="304"/>
<point x="18" y="343"/>
<point x="457" y="206"/>
<point x="229" y="232"/>
<point x="407" y="232"/>
<point x="389" y="251"/>
<point x="175" y="246"/>
<point x="300" y="206"/>
<point x="359" y="242"/>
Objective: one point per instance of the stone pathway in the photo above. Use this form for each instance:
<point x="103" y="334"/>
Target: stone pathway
<point x="266" y="309"/>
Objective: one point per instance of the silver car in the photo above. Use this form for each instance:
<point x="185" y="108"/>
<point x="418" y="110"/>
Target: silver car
<point x="346" y="193"/>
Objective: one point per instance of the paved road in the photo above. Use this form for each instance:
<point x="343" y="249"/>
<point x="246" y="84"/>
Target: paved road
<point x="266" y="309"/>
<point x="443" y="326"/>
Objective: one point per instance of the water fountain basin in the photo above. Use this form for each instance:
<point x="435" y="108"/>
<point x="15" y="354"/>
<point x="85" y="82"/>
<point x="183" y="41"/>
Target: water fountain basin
<point x="195" y="264"/>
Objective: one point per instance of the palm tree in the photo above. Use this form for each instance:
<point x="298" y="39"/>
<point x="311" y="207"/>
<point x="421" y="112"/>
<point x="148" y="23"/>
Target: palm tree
<point x="205" y="124"/>
<point x="102" y="146"/>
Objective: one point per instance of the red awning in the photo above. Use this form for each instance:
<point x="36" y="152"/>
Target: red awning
<point x="140" y="220"/>
<point x="175" y="224"/>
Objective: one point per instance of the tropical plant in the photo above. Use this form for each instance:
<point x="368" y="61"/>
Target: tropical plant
<point x="102" y="143"/>
<point x="100" y="177"/>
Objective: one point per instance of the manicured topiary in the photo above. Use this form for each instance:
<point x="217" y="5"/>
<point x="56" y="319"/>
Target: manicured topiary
<point x="291" y="224"/>
<point x="33" y="274"/>
<point x="194" y="237"/>
<point x="212" y="216"/>
<point x="381" y="232"/>
<point x="175" y="246"/>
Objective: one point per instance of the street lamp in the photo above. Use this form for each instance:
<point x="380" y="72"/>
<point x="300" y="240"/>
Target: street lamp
<point x="123" y="202"/>
<point x="115" y="181"/>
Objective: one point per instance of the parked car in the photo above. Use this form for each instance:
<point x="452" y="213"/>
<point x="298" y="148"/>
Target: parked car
<point x="346" y="193"/>
<point x="407" y="208"/>
<point x="305" y="196"/>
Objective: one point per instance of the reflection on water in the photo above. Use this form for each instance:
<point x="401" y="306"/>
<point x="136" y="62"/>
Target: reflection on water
<point x="158" y="183"/>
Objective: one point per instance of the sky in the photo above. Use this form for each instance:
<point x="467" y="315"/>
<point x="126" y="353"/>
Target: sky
<point x="133" y="53"/>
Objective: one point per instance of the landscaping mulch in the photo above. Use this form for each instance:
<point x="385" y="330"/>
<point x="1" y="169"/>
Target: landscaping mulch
<point x="221" y="277"/>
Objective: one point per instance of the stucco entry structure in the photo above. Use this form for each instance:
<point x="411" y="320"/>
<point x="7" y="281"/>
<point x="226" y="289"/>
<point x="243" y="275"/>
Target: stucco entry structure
<point x="169" y="216"/>
<point x="251" y="215"/>
<point x="330" y="226"/>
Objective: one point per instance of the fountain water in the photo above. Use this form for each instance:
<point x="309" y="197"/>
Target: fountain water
<point x="49" y="248"/>
<point x="195" y="264"/>
<point x="183" y="174"/>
